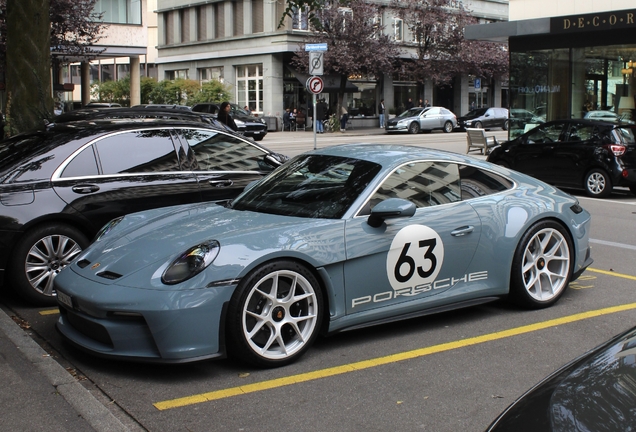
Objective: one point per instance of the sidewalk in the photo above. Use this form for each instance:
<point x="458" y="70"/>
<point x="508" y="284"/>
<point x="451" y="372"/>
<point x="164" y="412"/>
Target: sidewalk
<point x="39" y="394"/>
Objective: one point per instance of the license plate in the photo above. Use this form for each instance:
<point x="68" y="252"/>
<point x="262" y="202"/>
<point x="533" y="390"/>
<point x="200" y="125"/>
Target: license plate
<point x="257" y="132"/>
<point x="65" y="299"/>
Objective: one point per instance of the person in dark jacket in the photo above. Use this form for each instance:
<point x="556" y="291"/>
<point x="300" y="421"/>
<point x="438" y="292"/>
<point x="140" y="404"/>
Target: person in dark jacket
<point x="225" y="117"/>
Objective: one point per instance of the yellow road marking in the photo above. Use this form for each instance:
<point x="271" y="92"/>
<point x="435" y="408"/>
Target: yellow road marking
<point x="49" y="312"/>
<point x="611" y="273"/>
<point x="366" y="364"/>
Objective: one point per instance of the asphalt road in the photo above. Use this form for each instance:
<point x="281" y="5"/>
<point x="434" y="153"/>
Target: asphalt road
<point x="448" y="372"/>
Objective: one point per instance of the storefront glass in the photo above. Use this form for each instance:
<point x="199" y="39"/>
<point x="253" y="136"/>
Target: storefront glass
<point x="363" y="103"/>
<point x="565" y="83"/>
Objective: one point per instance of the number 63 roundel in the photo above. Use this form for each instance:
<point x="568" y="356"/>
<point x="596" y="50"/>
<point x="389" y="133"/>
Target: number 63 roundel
<point x="415" y="258"/>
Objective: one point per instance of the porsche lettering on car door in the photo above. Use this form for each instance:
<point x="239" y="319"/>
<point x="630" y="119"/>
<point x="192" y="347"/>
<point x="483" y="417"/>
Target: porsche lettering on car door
<point x="412" y="258"/>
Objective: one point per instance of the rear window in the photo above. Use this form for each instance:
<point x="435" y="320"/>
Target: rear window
<point x="626" y="134"/>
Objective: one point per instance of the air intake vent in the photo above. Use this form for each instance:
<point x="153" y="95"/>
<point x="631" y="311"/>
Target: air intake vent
<point x="109" y="275"/>
<point x="83" y="263"/>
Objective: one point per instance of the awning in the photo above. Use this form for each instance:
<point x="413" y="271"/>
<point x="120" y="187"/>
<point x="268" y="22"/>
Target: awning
<point x="332" y="82"/>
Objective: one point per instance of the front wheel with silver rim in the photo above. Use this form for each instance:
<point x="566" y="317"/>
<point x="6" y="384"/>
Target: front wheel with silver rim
<point x="38" y="258"/>
<point x="542" y="266"/>
<point x="598" y="184"/>
<point x="275" y="314"/>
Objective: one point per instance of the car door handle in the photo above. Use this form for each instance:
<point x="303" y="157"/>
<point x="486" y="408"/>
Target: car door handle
<point x="84" y="189"/>
<point x="221" y="183"/>
<point x="461" y="231"/>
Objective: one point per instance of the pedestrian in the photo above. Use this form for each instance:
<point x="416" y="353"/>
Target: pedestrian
<point x="320" y="116"/>
<point x="247" y="108"/>
<point x="421" y="104"/>
<point x="225" y="117"/>
<point x="409" y="104"/>
<point x="426" y="104"/>
<point x="344" y="117"/>
<point x="381" y="110"/>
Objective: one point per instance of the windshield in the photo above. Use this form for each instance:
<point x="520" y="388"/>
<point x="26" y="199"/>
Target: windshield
<point x="311" y="186"/>
<point x="411" y="112"/>
<point x="477" y="112"/>
<point x="627" y="135"/>
<point x="238" y="109"/>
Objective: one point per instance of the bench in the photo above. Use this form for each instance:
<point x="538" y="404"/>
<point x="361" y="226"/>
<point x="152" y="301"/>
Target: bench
<point x="478" y="141"/>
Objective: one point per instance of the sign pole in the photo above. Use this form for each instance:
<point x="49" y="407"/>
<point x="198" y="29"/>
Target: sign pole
<point x="315" y="121"/>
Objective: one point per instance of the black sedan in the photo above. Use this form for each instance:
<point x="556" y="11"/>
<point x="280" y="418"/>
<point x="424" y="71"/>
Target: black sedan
<point x="576" y="153"/>
<point x="595" y="392"/>
<point x="248" y="125"/>
<point x="59" y="186"/>
<point x="485" y="118"/>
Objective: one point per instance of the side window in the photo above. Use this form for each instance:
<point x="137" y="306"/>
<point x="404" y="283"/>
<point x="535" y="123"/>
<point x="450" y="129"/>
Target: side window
<point x="423" y="183"/>
<point x="433" y="111"/>
<point x="545" y="134"/>
<point x="82" y="165"/>
<point x="216" y="151"/>
<point x="581" y="132"/>
<point x="476" y="182"/>
<point x="144" y="151"/>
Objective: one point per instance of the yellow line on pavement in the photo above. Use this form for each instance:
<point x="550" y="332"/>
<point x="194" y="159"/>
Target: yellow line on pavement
<point x="366" y="364"/>
<point x="49" y="312"/>
<point x="611" y="273"/>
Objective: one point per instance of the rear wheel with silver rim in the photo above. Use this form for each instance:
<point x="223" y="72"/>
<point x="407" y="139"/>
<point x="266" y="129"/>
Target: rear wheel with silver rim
<point x="38" y="258"/>
<point x="542" y="266"/>
<point x="598" y="184"/>
<point x="477" y="125"/>
<point x="448" y="127"/>
<point x="275" y="314"/>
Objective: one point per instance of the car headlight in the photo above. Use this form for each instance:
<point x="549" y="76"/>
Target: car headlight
<point x="108" y="228"/>
<point x="239" y="123"/>
<point x="262" y="120"/>
<point x="468" y="122"/>
<point x="191" y="262"/>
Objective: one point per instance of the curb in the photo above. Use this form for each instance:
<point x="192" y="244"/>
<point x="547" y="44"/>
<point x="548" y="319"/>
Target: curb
<point x="94" y="412"/>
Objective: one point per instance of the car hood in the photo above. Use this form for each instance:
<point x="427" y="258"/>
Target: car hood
<point x="596" y="392"/>
<point x="398" y="119"/>
<point x="147" y="242"/>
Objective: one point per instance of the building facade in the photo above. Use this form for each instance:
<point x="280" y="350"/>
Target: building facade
<point x="568" y="59"/>
<point x="241" y="43"/>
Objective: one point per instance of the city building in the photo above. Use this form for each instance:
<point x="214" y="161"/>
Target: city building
<point x="241" y="44"/>
<point x="567" y="59"/>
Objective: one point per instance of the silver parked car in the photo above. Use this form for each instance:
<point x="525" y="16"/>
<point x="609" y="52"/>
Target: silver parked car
<point x="418" y="119"/>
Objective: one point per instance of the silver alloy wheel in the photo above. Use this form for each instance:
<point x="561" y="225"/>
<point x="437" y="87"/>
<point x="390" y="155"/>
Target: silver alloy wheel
<point x="546" y="264"/>
<point x="46" y="258"/>
<point x="596" y="183"/>
<point x="280" y="314"/>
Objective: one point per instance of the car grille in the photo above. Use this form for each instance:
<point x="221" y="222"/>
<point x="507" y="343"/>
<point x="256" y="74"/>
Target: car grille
<point x="88" y="328"/>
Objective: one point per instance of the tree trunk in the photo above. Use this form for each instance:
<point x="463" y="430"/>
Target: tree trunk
<point x="28" y="74"/>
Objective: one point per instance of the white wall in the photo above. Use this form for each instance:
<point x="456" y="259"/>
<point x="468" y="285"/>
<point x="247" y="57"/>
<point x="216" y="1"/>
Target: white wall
<point x="528" y="9"/>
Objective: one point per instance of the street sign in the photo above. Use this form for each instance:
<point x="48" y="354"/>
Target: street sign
<point x="315" y="84"/>
<point x="315" y="63"/>
<point x="477" y="83"/>
<point x="316" y="47"/>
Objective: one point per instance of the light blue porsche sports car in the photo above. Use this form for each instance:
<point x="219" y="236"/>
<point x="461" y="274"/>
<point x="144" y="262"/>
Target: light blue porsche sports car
<point x="335" y="239"/>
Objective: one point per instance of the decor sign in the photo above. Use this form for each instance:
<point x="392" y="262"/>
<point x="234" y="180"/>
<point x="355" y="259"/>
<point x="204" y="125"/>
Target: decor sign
<point x="594" y="22"/>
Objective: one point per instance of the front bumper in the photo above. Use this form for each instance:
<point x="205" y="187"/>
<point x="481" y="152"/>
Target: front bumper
<point x="165" y="326"/>
<point x="396" y="128"/>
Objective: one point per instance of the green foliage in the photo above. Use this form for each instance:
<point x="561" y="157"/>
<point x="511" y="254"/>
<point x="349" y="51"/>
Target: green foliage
<point x="211" y="91"/>
<point x="112" y="91"/>
<point x="177" y="92"/>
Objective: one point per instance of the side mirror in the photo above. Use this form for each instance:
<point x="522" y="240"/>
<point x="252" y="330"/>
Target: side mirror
<point x="390" y="209"/>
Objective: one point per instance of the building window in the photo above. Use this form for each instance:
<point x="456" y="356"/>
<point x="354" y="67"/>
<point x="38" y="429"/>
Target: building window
<point x="376" y="22"/>
<point x="184" y="18"/>
<point x="175" y="74"/>
<point x="168" y="25"/>
<point x="398" y="29"/>
<point x="219" y="16"/>
<point x="237" y="11"/>
<point x="257" y="16"/>
<point x="249" y="87"/>
<point x="202" y="27"/>
<point x="300" y="19"/>
<point x="119" y="11"/>
<point x="211" y="73"/>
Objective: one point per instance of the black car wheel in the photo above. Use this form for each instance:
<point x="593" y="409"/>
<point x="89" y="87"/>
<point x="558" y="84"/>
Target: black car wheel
<point x="414" y="128"/>
<point x="478" y="125"/>
<point x="542" y="266"/>
<point x="275" y="314"/>
<point x="632" y="189"/>
<point x="258" y="138"/>
<point x="506" y="125"/>
<point x="598" y="184"/>
<point x="448" y="127"/>
<point x="38" y="258"/>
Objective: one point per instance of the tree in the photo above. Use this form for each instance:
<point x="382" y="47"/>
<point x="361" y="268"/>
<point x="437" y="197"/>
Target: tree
<point x="440" y="50"/>
<point x="69" y="27"/>
<point x="356" y="43"/>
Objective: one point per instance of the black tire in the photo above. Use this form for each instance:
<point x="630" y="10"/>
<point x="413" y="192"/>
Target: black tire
<point x="258" y="138"/>
<point x="414" y="128"/>
<point x="632" y="189"/>
<point x="251" y="306"/>
<point x="506" y="125"/>
<point x="478" y="125"/>
<point x="597" y="183"/>
<point x="39" y="256"/>
<point x="542" y="266"/>
<point x="448" y="127"/>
